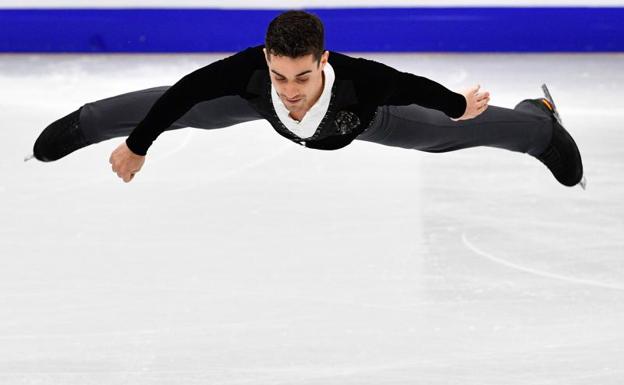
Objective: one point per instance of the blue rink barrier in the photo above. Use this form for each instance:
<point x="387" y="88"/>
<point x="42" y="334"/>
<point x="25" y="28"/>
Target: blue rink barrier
<point x="455" y="29"/>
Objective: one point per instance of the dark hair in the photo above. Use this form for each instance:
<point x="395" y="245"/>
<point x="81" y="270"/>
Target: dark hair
<point x="295" y="34"/>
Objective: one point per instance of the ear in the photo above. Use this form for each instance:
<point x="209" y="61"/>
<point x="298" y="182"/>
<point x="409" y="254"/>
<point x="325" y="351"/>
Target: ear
<point x="323" y="60"/>
<point x="266" y="56"/>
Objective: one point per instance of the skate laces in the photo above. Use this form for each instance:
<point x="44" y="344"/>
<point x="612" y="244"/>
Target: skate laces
<point x="548" y="105"/>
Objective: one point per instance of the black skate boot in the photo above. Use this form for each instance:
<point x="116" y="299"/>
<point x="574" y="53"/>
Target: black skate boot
<point x="60" y="138"/>
<point x="562" y="156"/>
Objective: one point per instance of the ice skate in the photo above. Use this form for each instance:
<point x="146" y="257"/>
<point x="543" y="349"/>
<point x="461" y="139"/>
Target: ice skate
<point x="60" y="138"/>
<point x="562" y="156"/>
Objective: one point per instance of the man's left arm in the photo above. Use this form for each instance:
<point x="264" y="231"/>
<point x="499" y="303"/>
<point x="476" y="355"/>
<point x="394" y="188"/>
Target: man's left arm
<point x="393" y="87"/>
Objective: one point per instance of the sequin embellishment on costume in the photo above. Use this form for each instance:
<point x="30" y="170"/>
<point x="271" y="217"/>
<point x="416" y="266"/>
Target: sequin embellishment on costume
<point x="346" y="122"/>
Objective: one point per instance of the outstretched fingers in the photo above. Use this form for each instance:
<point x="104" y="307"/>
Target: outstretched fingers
<point x="482" y="101"/>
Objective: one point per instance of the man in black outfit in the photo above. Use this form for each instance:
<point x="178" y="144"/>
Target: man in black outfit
<point x="318" y="99"/>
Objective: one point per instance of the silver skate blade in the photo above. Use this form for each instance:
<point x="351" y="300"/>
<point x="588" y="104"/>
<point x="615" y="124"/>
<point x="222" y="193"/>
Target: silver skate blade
<point x="551" y="101"/>
<point x="583" y="183"/>
<point x="28" y="157"/>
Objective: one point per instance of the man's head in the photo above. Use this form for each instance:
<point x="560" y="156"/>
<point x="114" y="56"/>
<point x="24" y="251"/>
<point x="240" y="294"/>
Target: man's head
<point x="295" y="54"/>
<point x="295" y="34"/>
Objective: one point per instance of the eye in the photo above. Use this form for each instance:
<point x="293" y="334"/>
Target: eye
<point x="302" y="80"/>
<point x="280" y="79"/>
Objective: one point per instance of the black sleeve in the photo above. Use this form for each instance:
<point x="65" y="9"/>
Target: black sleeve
<point x="389" y="86"/>
<point x="224" y="77"/>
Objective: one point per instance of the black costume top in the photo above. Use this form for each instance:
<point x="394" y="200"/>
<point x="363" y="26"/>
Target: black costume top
<point x="360" y="87"/>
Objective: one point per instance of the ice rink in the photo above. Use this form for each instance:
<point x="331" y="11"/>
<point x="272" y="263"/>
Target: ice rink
<point x="238" y="257"/>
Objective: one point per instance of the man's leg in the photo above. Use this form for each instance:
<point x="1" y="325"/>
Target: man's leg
<point x="529" y="128"/>
<point x="424" y="129"/>
<point x="119" y="115"/>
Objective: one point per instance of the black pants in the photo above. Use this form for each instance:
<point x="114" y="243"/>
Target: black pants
<point x="524" y="129"/>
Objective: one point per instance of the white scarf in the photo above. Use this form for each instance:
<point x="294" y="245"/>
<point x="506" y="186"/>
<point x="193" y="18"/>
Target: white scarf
<point x="311" y="120"/>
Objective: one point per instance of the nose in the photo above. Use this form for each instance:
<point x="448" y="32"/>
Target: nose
<point x="290" y="92"/>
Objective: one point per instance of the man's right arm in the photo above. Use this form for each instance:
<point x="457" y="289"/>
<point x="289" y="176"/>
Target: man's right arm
<point x="224" y="77"/>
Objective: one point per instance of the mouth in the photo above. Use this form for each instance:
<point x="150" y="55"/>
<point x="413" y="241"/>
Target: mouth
<point x="292" y="101"/>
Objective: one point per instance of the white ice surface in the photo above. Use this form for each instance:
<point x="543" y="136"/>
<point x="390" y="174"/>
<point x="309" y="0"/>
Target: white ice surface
<point x="238" y="257"/>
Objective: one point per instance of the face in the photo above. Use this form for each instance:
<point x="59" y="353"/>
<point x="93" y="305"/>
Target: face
<point x="298" y="81"/>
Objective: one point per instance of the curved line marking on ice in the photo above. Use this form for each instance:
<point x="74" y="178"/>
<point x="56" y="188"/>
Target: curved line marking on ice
<point x="540" y="273"/>
<point x="107" y="177"/>
<point x="176" y="149"/>
<point x="239" y="169"/>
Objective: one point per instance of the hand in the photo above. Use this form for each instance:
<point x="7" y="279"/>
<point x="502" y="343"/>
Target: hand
<point x="476" y="102"/>
<point x="125" y="162"/>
